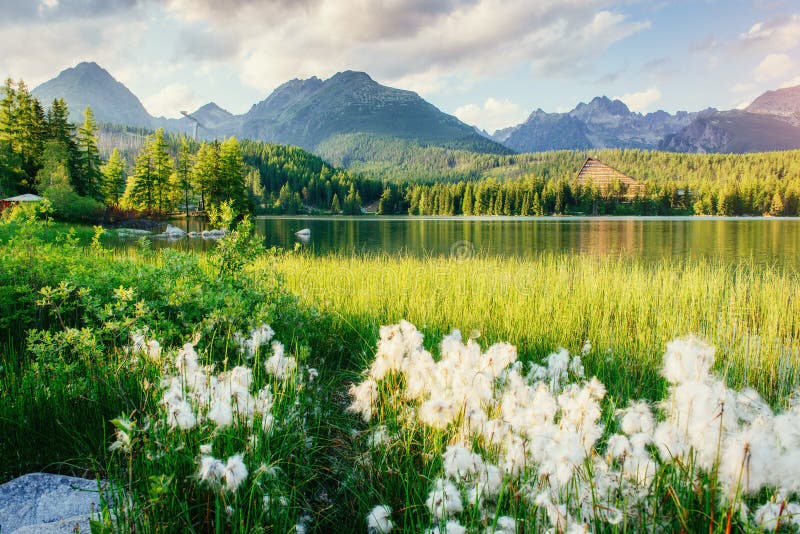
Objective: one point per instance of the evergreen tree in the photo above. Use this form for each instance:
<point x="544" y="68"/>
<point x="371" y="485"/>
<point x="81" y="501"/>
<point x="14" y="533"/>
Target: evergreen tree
<point x="352" y="202"/>
<point x="335" y="206"/>
<point x="113" y="181"/>
<point x="55" y="168"/>
<point x="184" y="172"/>
<point x="467" y="201"/>
<point x="230" y="182"/>
<point x="162" y="171"/>
<point x="141" y="191"/>
<point x="776" y="206"/>
<point x="538" y="207"/>
<point x="59" y="128"/>
<point x="205" y="172"/>
<point x="525" y="209"/>
<point x="89" y="179"/>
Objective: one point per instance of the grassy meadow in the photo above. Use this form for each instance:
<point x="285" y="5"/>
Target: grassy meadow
<point x="245" y="390"/>
<point x="626" y="309"/>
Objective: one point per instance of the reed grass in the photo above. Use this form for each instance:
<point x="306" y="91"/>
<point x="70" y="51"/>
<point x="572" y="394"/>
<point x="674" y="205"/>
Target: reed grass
<point x="627" y="309"/>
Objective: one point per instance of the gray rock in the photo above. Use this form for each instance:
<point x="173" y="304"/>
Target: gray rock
<point x="174" y="231"/>
<point x="45" y="503"/>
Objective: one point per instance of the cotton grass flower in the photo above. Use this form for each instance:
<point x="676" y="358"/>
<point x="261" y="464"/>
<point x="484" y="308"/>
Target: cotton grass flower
<point x="444" y="500"/>
<point x="211" y="470"/>
<point x="379" y="520"/>
<point x="688" y="359"/>
<point x="235" y="473"/>
<point x="543" y="431"/>
<point x="278" y="365"/>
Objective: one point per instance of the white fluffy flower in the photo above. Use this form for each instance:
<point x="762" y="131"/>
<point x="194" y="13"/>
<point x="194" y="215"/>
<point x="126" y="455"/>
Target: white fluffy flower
<point x="503" y="525"/>
<point x="278" y="365"/>
<point x="235" y="473"/>
<point x="444" y="500"/>
<point x="437" y="413"/>
<point x="364" y="396"/>
<point x="637" y="418"/>
<point x="687" y="359"/>
<point x="211" y="470"/>
<point x="379" y="520"/>
<point x="451" y="527"/>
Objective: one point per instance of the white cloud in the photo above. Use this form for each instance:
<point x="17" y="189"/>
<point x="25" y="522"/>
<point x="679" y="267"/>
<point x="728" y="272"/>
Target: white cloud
<point x="773" y="66"/>
<point x="791" y="82"/>
<point x="493" y="115"/>
<point x="777" y="34"/>
<point x="642" y="100"/>
<point x="171" y="100"/>
<point x="744" y="87"/>
<point x="418" y="40"/>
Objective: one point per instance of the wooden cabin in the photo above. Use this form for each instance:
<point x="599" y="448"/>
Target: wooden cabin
<point x="8" y="202"/>
<point x="605" y="178"/>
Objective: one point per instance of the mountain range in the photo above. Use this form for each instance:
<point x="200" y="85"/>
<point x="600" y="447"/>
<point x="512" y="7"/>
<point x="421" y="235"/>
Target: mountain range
<point x="350" y="107"/>
<point x="299" y="112"/>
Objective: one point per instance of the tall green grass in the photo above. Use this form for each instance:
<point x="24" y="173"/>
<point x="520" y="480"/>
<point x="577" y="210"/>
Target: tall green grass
<point x="626" y="309"/>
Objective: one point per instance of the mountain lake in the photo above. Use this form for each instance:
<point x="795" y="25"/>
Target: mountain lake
<point x="761" y="240"/>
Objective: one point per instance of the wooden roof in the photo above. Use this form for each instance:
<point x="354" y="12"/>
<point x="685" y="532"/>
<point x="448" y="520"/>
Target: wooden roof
<point x="595" y="172"/>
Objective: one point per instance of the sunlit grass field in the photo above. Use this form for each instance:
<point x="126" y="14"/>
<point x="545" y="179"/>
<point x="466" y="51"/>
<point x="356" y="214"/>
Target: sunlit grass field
<point x="626" y="309"/>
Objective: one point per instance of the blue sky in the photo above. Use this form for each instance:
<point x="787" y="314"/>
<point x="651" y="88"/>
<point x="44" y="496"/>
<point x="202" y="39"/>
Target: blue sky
<point x="490" y="62"/>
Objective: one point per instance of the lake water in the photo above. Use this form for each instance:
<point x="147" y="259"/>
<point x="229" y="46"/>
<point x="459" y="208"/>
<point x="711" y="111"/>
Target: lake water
<point x="774" y="241"/>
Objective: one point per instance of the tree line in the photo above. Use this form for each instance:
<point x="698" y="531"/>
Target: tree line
<point x="42" y="152"/>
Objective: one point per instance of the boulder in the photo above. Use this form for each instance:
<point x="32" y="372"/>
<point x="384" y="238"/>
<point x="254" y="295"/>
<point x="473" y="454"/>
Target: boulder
<point x="174" y="232"/>
<point x="46" y="503"/>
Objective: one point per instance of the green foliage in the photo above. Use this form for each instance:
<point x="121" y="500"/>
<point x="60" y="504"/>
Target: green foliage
<point x="113" y="178"/>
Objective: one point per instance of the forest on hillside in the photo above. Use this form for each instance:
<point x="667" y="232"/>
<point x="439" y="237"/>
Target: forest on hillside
<point x="89" y="170"/>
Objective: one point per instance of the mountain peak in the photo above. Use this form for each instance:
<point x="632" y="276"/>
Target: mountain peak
<point x="212" y="107"/>
<point x="89" y="84"/>
<point x="352" y="76"/>
<point x="603" y="103"/>
<point x="783" y="103"/>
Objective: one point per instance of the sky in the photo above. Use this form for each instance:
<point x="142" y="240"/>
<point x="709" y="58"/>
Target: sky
<point x="489" y="62"/>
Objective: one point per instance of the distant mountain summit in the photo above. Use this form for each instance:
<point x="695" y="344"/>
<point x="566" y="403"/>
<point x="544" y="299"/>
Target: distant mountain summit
<point x="601" y="123"/>
<point x="88" y="84"/>
<point x="308" y="112"/>
<point x="771" y="122"/>
<point x="783" y="103"/>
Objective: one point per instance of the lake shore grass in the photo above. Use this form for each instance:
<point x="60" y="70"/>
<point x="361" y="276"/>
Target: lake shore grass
<point x="626" y="309"/>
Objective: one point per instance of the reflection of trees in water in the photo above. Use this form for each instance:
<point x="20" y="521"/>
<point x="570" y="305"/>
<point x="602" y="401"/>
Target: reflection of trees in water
<point x="774" y="241"/>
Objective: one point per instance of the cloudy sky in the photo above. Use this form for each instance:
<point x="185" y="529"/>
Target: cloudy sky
<point x="489" y="62"/>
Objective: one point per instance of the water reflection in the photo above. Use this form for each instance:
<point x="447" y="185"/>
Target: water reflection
<point x="765" y="241"/>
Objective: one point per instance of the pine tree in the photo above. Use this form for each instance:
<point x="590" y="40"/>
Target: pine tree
<point x="206" y="171"/>
<point x="59" y="128"/>
<point x="336" y="208"/>
<point x="162" y="171"/>
<point x="113" y="181"/>
<point x="538" y="207"/>
<point x="141" y="191"/>
<point x="525" y="209"/>
<point x="184" y="171"/>
<point x="352" y="202"/>
<point x="776" y="206"/>
<point x="88" y="182"/>
<point x="230" y="184"/>
<point x="467" y="201"/>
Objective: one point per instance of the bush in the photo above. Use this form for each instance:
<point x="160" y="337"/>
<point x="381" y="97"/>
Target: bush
<point x="69" y="206"/>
